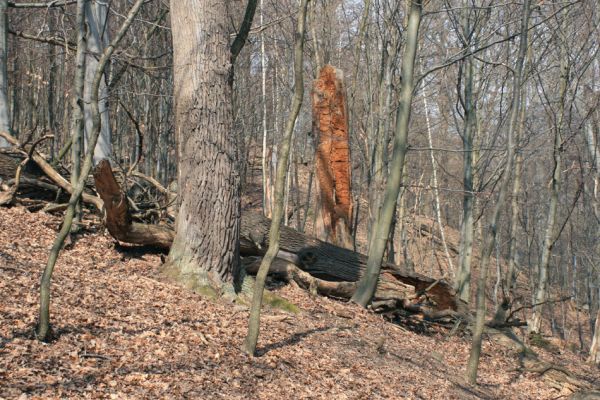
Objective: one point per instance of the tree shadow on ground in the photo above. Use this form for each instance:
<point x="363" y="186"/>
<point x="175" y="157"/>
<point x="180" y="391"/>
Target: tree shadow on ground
<point x="129" y="251"/>
<point x="290" y="341"/>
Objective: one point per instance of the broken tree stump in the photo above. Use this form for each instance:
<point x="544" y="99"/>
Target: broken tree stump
<point x="330" y="126"/>
<point x="118" y="219"/>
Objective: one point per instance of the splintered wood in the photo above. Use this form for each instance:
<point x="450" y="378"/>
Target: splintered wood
<point x="330" y="127"/>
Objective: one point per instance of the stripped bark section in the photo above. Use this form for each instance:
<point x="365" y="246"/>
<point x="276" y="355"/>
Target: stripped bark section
<point x="118" y="219"/>
<point x="330" y="126"/>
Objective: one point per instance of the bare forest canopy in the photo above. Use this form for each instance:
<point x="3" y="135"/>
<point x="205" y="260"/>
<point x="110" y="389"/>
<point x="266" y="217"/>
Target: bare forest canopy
<point x="475" y="124"/>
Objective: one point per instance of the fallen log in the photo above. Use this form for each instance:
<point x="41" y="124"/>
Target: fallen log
<point x="332" y="263"/>
<point x="334" y="270"/>
<point x="48" y="170"/>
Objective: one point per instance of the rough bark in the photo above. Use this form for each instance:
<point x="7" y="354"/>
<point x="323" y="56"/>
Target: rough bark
<point x="205" y="250"/>
<point x="333" y="270"/>
<point x="330" y="125"/>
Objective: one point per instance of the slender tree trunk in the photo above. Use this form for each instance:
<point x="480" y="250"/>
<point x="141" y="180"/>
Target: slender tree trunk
<point x="463" y="276"/>
<point x="77" y="105"/>
<point x="265" y="161"/>
<point x="595" y="348"/>
<point x="368" y="283"/>
<point x="595" y="157"/>
<point x="436" y="193"/>
<point x="43" y="328"/>
<point x="282" y="167"/>
<point x="490" y="240"/>
<point x="315" y="38"/>
<point x="535" y="323"/>
<point x="509" y="277"/>
<point x="5" y="123"/>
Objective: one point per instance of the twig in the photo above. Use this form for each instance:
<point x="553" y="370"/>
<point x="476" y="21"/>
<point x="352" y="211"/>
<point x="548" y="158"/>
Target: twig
<point x="537" y="304"/>
<point x="7" y="268"/>
<point x="8" y="197"/>
<point x="92" y="355"/>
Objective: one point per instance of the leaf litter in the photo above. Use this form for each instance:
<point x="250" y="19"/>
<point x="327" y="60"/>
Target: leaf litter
<point x="122" y="332"/>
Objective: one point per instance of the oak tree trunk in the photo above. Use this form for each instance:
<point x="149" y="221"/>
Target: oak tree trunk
<point x="205" y="251"/>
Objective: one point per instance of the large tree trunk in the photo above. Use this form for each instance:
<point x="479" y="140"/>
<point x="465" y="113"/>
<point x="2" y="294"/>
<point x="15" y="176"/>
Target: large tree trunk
<point x="330" y="125"/>
<point x="205" y="251"/>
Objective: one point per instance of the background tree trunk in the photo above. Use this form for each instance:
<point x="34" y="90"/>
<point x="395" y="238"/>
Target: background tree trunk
<point x="77" y="105"/>
<point x="490" y="239"/>
<point x="463" y="276"/>
<point x="96" y="16"/>
<point x="535" y="322"/>
<point x="4" y="110"/>
<point x="43" y="328"/>
<point x="595" y="347"/>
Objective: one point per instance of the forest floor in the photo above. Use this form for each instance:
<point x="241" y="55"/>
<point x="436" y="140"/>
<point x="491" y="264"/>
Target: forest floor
<point x="121" y="331"/>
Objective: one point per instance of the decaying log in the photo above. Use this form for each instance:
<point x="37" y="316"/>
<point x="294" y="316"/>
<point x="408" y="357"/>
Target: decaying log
<point x="118" y="218"/>
<point x="282" y="268"/>
<point x="332" y="263"/>
<point x="51" y="173"/>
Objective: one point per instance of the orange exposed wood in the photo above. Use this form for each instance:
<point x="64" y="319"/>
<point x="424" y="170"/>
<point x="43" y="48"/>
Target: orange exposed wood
<point x="330" y="125"/>
<point x="118" y="219"/>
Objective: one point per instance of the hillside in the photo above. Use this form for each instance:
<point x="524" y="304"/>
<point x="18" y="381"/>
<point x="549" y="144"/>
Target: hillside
<point x="122" y="332"/>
